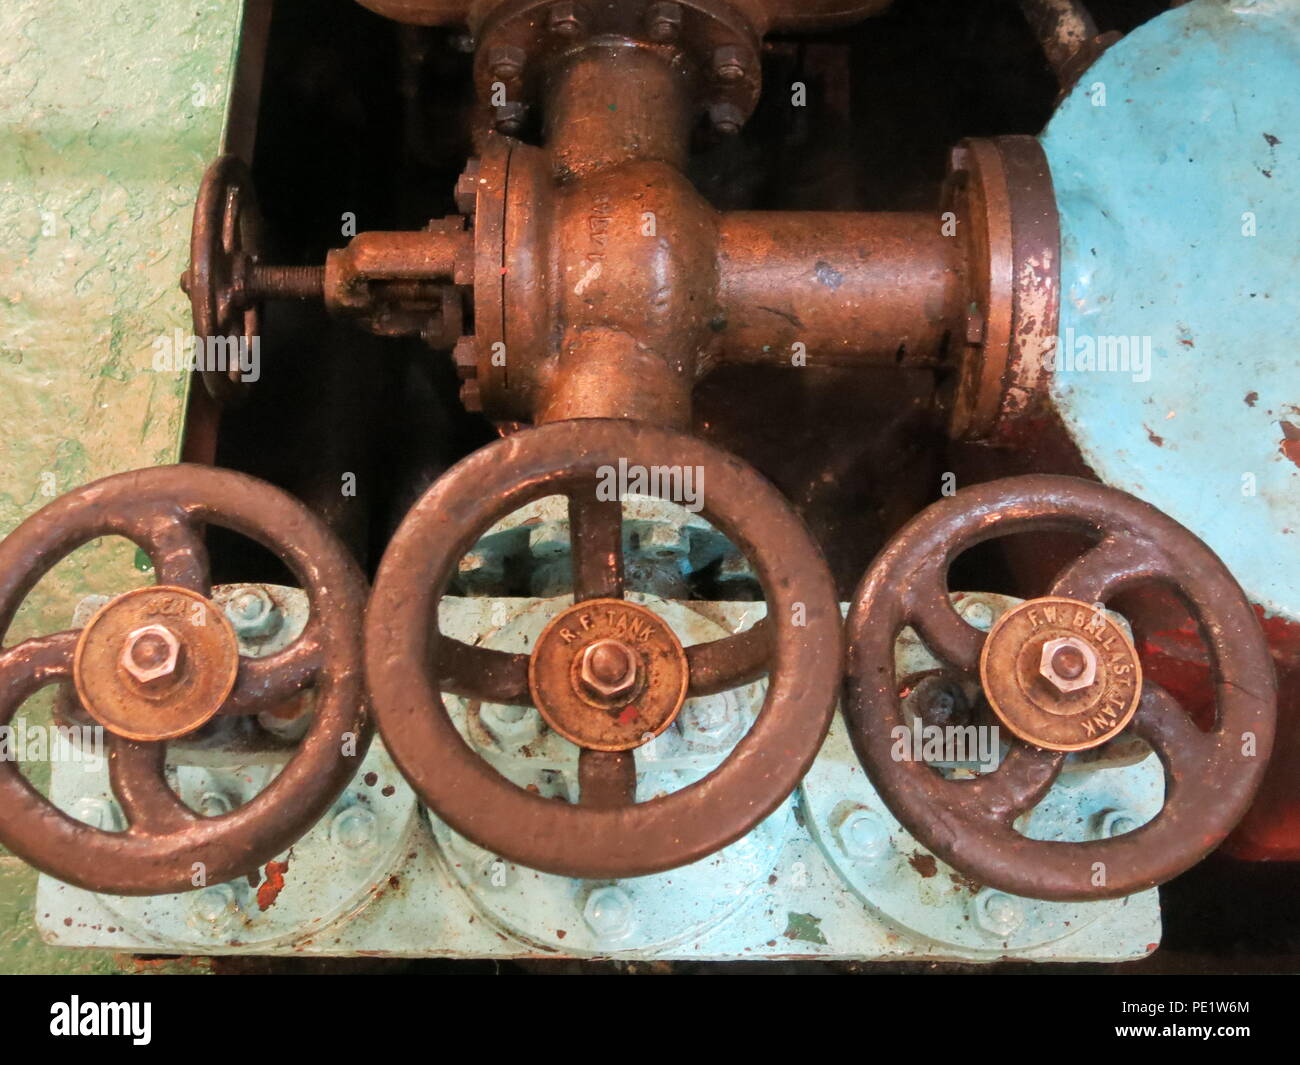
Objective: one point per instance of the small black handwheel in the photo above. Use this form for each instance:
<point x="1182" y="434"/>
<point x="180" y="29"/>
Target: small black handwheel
<point x="224" y="241"/>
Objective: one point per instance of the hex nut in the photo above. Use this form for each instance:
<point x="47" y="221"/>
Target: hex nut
<point x="506" y="62"/>
<point x="1068" y="663"/>
<point x="150" y="653"/>
<point x="609" y="668"/>
<point x="565" y="19"/>
<point x="664" y="21"/>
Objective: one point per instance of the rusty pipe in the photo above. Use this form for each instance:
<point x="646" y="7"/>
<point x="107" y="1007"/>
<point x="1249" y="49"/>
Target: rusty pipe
<point x="613" y="104"/>
<point x="851" y="288"/>
<point x="635" y="277"/>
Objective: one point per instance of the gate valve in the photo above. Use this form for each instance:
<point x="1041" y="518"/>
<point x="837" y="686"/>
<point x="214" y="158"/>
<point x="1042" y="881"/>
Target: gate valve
<point x="606" y="673"/>
<point x="1061" y="675"/>
<point x="397" y="284"/>
<point x="158" y="663"/>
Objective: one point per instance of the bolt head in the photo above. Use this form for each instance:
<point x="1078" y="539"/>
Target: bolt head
<point x="998" y="913"/>
<point x="467" y="189"/>
<point x="214" y="804"/>
<point x="465" y="357"/>
<point x="1116" y="823"/>
<point x="864" y="836"/>
<point x="506" y="62"/>
<point x="609" y="912"/>
<point x="1068" y="663"/>
<point x="354" y="829"/>
<point x="711" y="723"/>
<point x="609" y="668"/>
<point x="565" y="19"/>
<point x="728" y="63"/>
<point x="726" y="118"/>
<point x="664" y="22"/>
<point x="151" y="653"/>
<point x="509" y="117"/>
<point x="252" y="613"/>
<point x="213" y="908"/>
<point x="99" y="813"/>
<point x="511" y="726"/>
<point x="977" y="613"/>
<point x="470" y="396"/>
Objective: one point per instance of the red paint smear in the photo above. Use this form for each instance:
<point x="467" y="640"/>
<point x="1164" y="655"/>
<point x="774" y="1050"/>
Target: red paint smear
<point x="270" y="890"/>
<point x="1190" y="683"/>
<point x="1290" y="446"/>
<point x="627" y="716"/>
<point x="1283" y="637"/>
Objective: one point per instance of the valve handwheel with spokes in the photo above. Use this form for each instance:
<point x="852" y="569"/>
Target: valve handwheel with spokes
<point x="606" y="673"/>
<point x="159" y="662"/>
<point x="1061" y="676"/>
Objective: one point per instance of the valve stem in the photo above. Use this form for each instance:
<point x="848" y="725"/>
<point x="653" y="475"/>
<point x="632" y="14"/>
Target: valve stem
<point x="286" y="282"/>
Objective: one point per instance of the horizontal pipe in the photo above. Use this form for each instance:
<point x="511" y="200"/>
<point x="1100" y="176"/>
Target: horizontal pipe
<point x="848" y="287"/>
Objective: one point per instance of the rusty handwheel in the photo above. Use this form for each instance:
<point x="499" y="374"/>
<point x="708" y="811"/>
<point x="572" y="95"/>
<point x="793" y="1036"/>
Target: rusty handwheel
<point x="1060" y="676"/>
<point x="607" y="674"/>
<point x="159" y="662"/>
<point x="224" y="242"/>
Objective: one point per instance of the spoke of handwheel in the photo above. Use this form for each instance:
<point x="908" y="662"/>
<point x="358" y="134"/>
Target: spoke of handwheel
<point x="1025" y="775"/>
<point x="175" y="547"/>
<point x="1170" y="731"/>
<point x="1105" y="568"/>
<point x="29" y="666"/>
<point x="137" y="777"/>
<point x="264" y="682"/>
<point x="606" y="778"/>
<point x="596" y="543"/>
<point x="481" y="673"/>
<point x="720" y="665"/>
<point x="941" y="628"/>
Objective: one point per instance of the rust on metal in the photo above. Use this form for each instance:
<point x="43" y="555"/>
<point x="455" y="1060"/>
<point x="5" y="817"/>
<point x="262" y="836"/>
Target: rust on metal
<point x="163" y="511"/>
<point x="394" y="284"/>
<point x="608" y="675"/>
<point x="1211" y="776"/>
<point x="155" y="663"/>
<point x="764" y="15"/>
<point x="1001" y="190"/>
<point x="603" y="284"/>
<point x="606" y="834"/>
<point x="1061" y="674"/>
<point x="225" y="237"/>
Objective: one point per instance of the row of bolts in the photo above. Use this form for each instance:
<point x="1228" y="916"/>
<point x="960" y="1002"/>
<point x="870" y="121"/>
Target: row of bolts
<point x="609" y="909"/>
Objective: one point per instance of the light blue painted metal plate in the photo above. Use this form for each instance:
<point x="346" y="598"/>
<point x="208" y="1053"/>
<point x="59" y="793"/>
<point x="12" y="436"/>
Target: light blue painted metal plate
<point x="1176" y="162"/>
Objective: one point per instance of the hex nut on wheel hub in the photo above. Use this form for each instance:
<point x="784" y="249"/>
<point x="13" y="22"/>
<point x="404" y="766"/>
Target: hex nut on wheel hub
<point x="1061" y="674"/>
<point x="155" y="663"/>
<point x="608" y="675"/>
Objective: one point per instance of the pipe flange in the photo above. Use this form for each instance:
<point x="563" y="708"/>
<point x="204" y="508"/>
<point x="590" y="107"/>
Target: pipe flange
<point x="1000" y="192"/>
<point x="520" y="39"/>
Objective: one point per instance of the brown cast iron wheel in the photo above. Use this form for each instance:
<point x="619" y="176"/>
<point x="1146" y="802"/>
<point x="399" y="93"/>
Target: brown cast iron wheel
<point x="607" y="834"/>
<point x="224" y="239"/>
<point x="163" y="511"/>
<point x="1209" y="778"/>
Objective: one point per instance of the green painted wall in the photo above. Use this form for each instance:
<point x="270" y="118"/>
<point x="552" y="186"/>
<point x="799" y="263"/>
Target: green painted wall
<point x="109" y="112"/>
